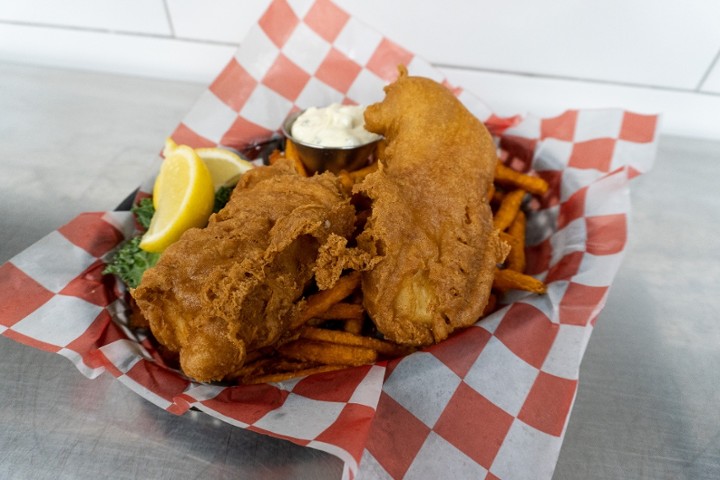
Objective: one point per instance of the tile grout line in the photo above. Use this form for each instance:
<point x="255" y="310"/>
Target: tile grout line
<point x="709" y="70"/>
<point x="696" y="90"/>
<point x="117" y="32"/>
<point x="570" y="78"/>
<point x="169" y="19"/>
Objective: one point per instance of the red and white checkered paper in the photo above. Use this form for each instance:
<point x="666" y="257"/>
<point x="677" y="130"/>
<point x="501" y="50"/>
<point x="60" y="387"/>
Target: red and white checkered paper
<point x="492" y="401"/>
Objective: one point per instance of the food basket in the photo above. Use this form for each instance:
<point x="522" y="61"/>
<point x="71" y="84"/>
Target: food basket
<point x="492" y="401"/>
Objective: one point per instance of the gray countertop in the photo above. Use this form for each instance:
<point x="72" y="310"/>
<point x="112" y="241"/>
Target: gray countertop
<point x="648" y="405"/>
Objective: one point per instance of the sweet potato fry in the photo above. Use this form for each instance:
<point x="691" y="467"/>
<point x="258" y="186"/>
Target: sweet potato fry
<point x="350" y="313"/>
<point x="282" y="376"/>
<point x="516" y="230"/>
<point x="507" y="279"/>
<point x="274" y="156"/>
<point x="506" y="175"/>
<point x="256" y="366"/>
<point x="384" y="348"/>
<point x="342" y="311"/>
<point x="354" y="325"/>
<point x="518" y="227"/>
<point x="509" y="207"/>
<point x="516" y="258"/>
<point x="285" y="365"/>
<point x="291" y="153"/>
<point x="320" y="302"/>
<point x="358" y="175"/>
<point x="328" y="353"/>
<point x="346" y="181"/>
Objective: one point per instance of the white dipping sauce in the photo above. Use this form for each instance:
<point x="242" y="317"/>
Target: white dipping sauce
<point x="333" y="126"/>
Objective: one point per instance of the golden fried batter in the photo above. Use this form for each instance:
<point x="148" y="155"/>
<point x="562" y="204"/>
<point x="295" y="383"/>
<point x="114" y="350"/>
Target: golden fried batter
<point x="430" y="221"/>
<point x="229" y="289"/>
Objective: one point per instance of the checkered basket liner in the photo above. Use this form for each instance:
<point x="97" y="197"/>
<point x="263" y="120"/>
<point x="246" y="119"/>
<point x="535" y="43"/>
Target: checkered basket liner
<point x="492" y="401"/>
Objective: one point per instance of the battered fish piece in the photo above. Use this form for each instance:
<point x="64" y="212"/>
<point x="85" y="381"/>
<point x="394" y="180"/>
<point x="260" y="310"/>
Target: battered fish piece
<point x="431" y="222"/>
<point x="228" y="289"/>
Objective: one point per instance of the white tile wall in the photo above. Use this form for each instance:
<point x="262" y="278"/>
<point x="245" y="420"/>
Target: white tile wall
<point x="539" y="56"/>
<point x="648" y="42"/>
<point x="224" y="21"/>
<point x="150" y="56"/>
<point x="712" y="82"/>
<point x="686" y="113"/>
<point x="137" y="16"/>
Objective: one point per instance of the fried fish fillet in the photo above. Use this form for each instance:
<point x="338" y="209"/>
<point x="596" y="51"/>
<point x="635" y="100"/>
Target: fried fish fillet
<point x="431" y="223"/>
<point x="230" y="288"/>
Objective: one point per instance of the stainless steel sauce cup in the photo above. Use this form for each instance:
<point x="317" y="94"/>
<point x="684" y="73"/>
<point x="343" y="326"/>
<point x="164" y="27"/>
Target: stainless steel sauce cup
<point x="317" y="158"/>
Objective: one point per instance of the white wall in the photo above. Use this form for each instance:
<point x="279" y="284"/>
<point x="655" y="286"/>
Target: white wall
<point x="520" y="56"/>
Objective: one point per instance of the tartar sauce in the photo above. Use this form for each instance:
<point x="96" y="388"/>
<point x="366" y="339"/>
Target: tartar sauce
<point x="333" y="126"/>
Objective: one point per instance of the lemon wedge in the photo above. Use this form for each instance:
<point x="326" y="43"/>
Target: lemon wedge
<point x="225" y="166"/>
<point x="170" y="147"/>
<point x="183" y="196"/>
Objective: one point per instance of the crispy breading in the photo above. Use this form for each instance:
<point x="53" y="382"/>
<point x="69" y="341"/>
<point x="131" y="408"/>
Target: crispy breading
<point x="431" y="223"/>
<point x="232" y="287"/>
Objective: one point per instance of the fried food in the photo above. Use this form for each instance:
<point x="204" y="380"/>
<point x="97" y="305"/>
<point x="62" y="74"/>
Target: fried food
<point x="301" y="275"/>
<point x="516" y="231"/>
<point x="507" y="176"/>
<point x="346" y="338"/>
<point x="509" y="208"/>
<point x="229" y="289"/>
<point x="508" y="279"/>
<point x="321" y="302"/>
<point x="431" y="223"/>
<point x="329" y="353"/>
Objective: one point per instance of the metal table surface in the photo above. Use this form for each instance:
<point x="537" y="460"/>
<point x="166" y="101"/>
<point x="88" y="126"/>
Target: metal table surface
<point x="649" y="395"/>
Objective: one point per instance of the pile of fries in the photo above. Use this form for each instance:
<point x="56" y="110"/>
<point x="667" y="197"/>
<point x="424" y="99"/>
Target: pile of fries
<point x="507" y="196"/>
<point x="333" y="331"/>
